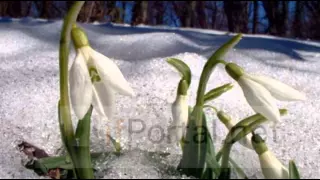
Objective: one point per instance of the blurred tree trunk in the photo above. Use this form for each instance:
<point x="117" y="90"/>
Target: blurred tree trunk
<point x="313" y="19"/>
<point x="82" y="17"/>
<point x="45" y="10"/>
<point x="184" y="10"/>
<point x="270" y="8"/>
<point x="69" y="4"/>
<point x="159" y="11"/>
<point x="277" y="14"/>
<point x="136" y="13"/>
<point x="214" y="15"/>
<point x="145" y="13"/>
<point x="90" y="11"/>
<point x="123" y="11"/>
<point x="99" y="10"/>
<point x="4" y="8"/>
<point x="237" y="15"/>
<point x="201" y="15"/>
<point x="296" y="27"/>
<point x="14" y="9"/>
<point x="283" y="26"/>
<point x="140" y="13"/>
<point x="191" y="14"/>
<point x="255" y="17"/>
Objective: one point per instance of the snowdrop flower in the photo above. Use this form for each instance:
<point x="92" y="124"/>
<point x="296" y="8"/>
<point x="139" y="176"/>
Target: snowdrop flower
<point x="93" y="79"/>
<point x="180" y="113"/>
<point x="261" y="92"/>
<point x="271" y="167"/>
<point x="230" y="123"/>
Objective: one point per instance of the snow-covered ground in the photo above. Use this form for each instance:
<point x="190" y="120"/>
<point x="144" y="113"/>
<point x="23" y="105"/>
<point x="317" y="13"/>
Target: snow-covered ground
<point x="30" y="92"/>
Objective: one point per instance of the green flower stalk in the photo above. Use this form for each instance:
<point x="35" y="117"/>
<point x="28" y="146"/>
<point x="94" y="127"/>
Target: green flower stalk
<point x="230" y="123"/>
<point x="83" y="171"/>
<point x="217" y="92"/>
<point x="238" y="132"/>
<point x="271" y="167"/>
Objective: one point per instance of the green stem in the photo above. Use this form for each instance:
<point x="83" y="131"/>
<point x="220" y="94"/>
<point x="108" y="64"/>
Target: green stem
<point x="215" y="59"/>
<point x="225" y="170"/>
<point x="207" y="70"/>
<point x="66" y="122"/>
<point x="247" y="126"/>
<point x="225" y="154"/>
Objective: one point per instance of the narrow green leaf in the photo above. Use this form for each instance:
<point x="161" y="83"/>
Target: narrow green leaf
<point x="47" y="163"/>
<point x="62" y="132"/>
<point x="247" y="126"/>
<point x="212" y="163"/>
<point x="220" y="53"/>
<point x="293" y="170"/>
<point x="182" y="68"/>
<point x="215" y="59"/>
<point x="194" y="147"/>
<point x="82" y="138"/>
<point x="257" y="117"/>
<point x="238" y="169"/>
<point x="216" y="92"/>
<point x="219" y="154"/>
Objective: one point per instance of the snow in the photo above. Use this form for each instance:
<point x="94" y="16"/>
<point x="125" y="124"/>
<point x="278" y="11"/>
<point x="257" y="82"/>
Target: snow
<point x="30" y="92"/>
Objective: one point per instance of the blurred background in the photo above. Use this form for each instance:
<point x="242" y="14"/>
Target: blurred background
<point x="294" y="19"/>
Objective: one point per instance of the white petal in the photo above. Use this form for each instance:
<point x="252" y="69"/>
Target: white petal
<point x="103" y="100"/>
<point x="180" y="118"/>
<point x="260" y="99"/>
<point x="85" y="51"/>
<point x="278" y="89"/>
<point x="80" y="87"/>
<point x="110" y="74"/>
<point x="272" y="167"/>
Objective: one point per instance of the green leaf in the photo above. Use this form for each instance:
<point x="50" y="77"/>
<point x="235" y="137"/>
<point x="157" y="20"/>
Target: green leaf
<point x="257" y="117"/>
<point x="63" y="136"/>
<point x="82" y="138"/>
<point x="215" y="59"/>
<point x="194" y="147"/>
<point x="246" y="126"/>
<point x="238" y="169"/>
<point x="213" y="166"/>
<point x="293" y="170"/>
<point x="219" y="154"/>
<point x="220" y="53"/>
<point x="182" y="68"/>
<point x="216" y="92"/>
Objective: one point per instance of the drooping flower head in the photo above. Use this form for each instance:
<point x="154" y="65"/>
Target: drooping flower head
<point x="271" y="167"/>
<point x="230" y="123"/>
<point x="261" y="92"/>
<point x="180" y="113"/>
<point x="94" y="78"/>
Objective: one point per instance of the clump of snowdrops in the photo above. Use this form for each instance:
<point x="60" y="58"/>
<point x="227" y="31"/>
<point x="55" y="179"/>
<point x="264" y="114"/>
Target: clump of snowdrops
<point x="93" y="79"/>
<point x="189" y="125"/>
